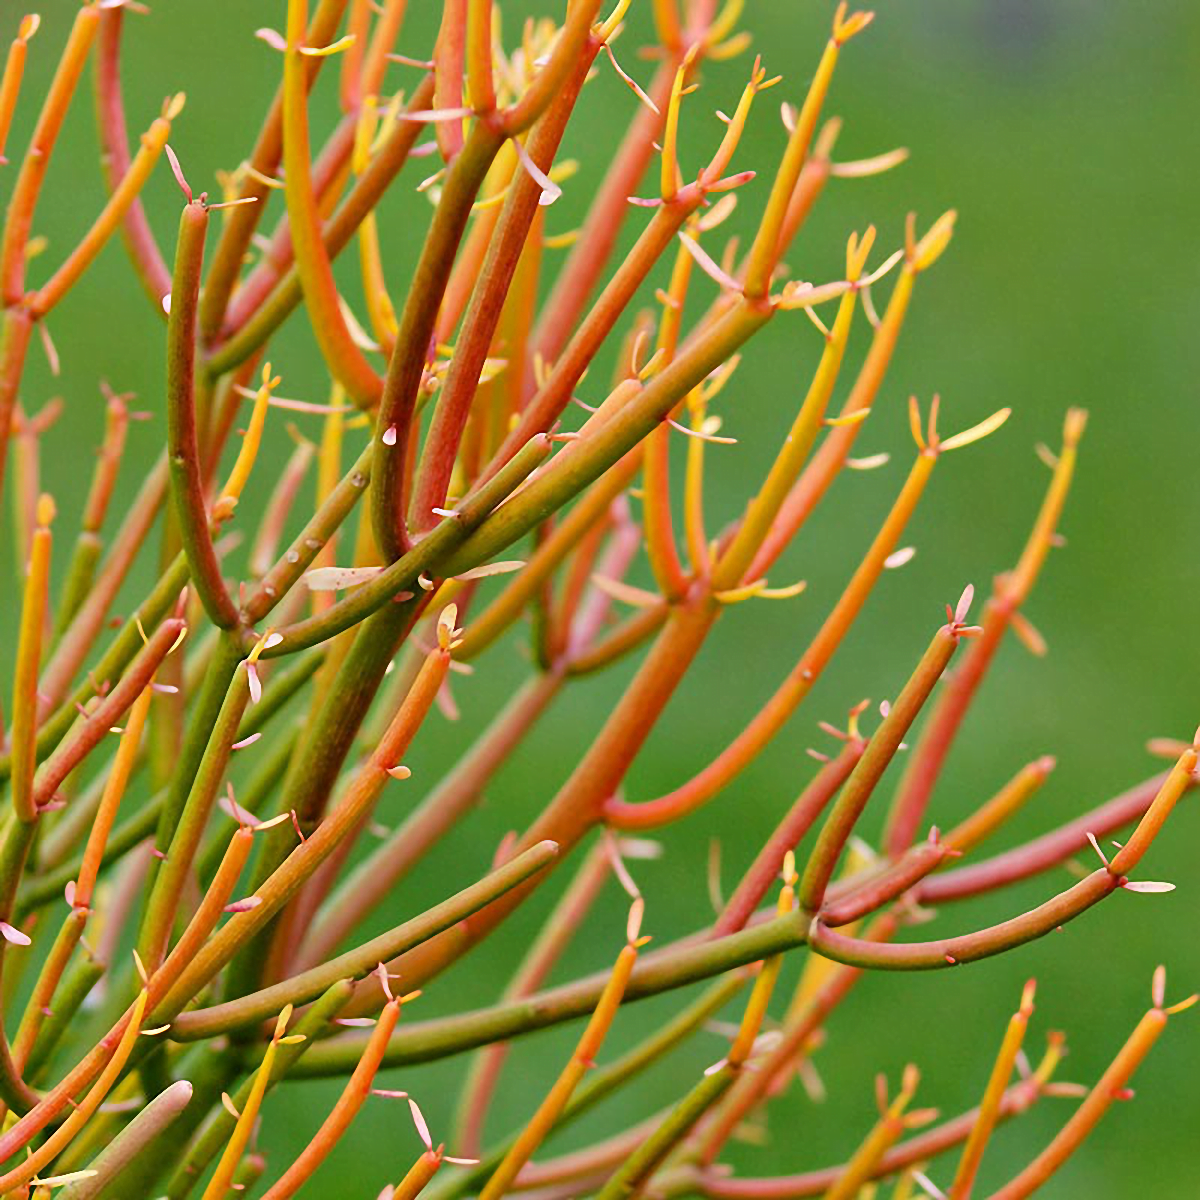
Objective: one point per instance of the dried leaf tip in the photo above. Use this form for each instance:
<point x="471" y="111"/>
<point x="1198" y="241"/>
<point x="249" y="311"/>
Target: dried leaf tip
<point x="985" y="427"/>
<point x="1027" y="994"/>
<point x="1158" y="991"/>
<point x="633" y="924"/>
<point x="10" y="933"/>
<point x="923" y="253"/>
<point x="845" y="27"/>
<point x="180" y="178"/>
<point x="281" y="1022"/>
<point x="447" y="634"/>
<point x="1074" y="425"/>
<point x="959" y="615"/>
<point x="856" y="252"/>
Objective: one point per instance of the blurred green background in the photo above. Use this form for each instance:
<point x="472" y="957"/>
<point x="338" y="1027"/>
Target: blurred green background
<point x="1065" y="135"/>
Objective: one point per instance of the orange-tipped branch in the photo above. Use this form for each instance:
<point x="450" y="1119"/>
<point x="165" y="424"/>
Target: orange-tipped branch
<point x="14" y="244"/>
<point x="23" y="737"/>
<point x="771" y="718"/>
<point x="993" y="1098"/>
<point x="992" y="813"/>
<point x="1109" y="1087"/>
<point x="1011" y="590"/>
<point x="880" y="751"/>
<point x="353" y="1096"/>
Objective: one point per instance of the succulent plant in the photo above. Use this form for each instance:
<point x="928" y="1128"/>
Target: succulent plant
<point x="196" y="783"/>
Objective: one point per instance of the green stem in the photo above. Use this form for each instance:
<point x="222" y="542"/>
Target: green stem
<point x="950" y="952"/>
<point x="407" y="365"/>
<point x="673" y="967"/>
<point x="150" y="1123"/>
<point x="591" y="456"/>
<point x="162" y="906"/>
<point x="606" y="1080"/>
<point x="183" y="450"/>
<point x="870" y="768"/>
<point x="361" y="961"/>
<point x="210" y="1140"/>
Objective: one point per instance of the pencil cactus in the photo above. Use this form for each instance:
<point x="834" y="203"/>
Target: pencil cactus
<point x="214" y="937"/>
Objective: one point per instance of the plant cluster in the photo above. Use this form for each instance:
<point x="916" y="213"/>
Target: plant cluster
<point x="181" y="948"/>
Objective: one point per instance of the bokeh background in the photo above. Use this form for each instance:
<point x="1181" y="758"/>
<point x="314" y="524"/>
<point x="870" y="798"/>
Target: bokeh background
<point x="1065" y="135"/>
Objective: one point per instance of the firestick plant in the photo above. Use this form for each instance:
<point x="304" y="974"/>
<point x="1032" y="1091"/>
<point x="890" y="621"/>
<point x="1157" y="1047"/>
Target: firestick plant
<point x="172" y="949"/>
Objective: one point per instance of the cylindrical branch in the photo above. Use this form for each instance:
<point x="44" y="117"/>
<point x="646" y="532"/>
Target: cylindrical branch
<point x="107" y="711"/>
<point x="1010" y="592"/>
<point x="81" y="573"/>
<point x="16" y="330"/>
<point x="638" y="1171"/>
<point x="764" y="253"/>
<point x="993" y="1098"/>
<point x="820" y="990"/>
<point x="82" y="632"/>
<point x="858" y="897"/>
<point x="141" y="244"/>
<point x="254" y="182"/>
<point x="14" y="243"/>
<point x="951" y="951"/>
<point x="343" y="357"/>
<point x="589" y="457"/>
<point x="762" y="510"/>
<point x="893" y="1121"/>
<point x="717" y="1185"/>
<point x="676" y="206"/>
<point x="553" y="396"/>
<point x="162" y="906"/>
<point x="582" y="1060"/>
<point x="1047" y="851"/>
<point x="879" y="753"/>
<point x="990" y="815"/>
<point x="406" y="368"/>
<point x="603" y="1082"/>
<point x="670" y="967"/>
<point x="80" y="893"/>
<point x="496" y="275"/>
<point x="771" y="718"/>
<point x="390" y="583"/>
<point x="278" y="580"/>
<point x="289" y="871"/>
<point x="362" y="960"/>
<point x="124" y="193"/>
<point x="1110" y="1086"/>
<point x="829" y="459"/>
<point x="227" y="1165"/>
<point x="390" y="485"/>
<point x="108" y="1066"/>
<point x="559" y="929"/>
<point x="602" y="225"/>
<point x="183" y="443"/>
<point x="370" y="883"/>
<point x="548" y="556"/>
<point x="149" y="1124"/>
<point x="273" y="289"/>
<point x="449" y="59"/>
<point x="354" y="1095"/>
<point x="34" y="604"/>
<point x="211" y="1138"/>
<point x="14" y="72"/>
<point x="747" y="896"/>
